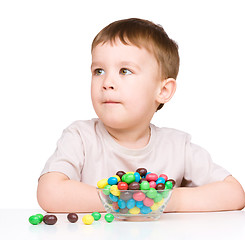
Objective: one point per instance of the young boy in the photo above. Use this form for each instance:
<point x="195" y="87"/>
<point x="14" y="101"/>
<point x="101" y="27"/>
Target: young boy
<point x="134" y="67"/>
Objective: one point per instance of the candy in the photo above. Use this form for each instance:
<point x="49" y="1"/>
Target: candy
<point x="102" y="183"/>
<point x="120" y="174"/>
<point x="109" y="217"/>
<point x="139" y="196"/>
<point x="141" y="171"/>
<point x="151" y="193"/>
<point x="40" y="216"/>
<point x="151" y="177"/>
<point x="112" y="180"/>
<point x="148" y="202"/>
<point x="114" y="190"/>
<point x="145" y="185"/>
<point x="134" y="210"/>
<point x="122" y="186"/>
<point x="134" y="186"/>
<point x="50" y="219"/>
<point x="135" y="192"/>
<point x="34" y="220"/>
<point x="96" y="216"/>
<point x="88" y="219"/>
<point x="129" y="178"/>
<point x="130" y="203"/>
<point x="72" y="217"/>
<point x="106" y="190"/>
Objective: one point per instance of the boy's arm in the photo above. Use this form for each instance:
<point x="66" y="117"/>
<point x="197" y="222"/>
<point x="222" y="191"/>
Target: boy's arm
<point x="218" y="196"/>
<point x="57" y="193"/>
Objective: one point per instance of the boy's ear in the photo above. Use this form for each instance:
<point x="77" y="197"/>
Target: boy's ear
<point x="168" y="87"/>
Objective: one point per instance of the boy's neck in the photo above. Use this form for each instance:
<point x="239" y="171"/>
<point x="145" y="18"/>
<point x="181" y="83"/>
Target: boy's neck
<point x="135" y="138"/>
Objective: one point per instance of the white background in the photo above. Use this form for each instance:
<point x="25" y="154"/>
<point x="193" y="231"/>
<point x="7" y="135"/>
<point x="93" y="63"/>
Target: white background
<point x="45" y="79"/>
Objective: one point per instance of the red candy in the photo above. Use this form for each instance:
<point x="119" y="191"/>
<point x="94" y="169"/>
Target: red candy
<point x="115" y="205"/>
<point x="164" y="176"/>
<point x="151" y="177"/>
<point x="122" y="186"/>
<point x="152" y="184"/>
<point x="148" y="202"/>
<point x="139" y="196"/>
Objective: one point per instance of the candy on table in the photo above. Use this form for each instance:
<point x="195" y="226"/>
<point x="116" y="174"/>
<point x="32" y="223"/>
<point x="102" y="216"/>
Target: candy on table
<point x="88" y="219"/>
<point x="50" y="219"/>
<point x="149" y="197"/>
<point x="36" y="219"/>
<point x="109" y="217"/>
<point x="96" y="216"/>
<point x="72" y="217"/>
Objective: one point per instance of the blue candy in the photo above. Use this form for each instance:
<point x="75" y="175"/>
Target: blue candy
<point x="137" y="177"/>
<point x="121" y="204"/>
<point x="139" y="204"/>
<point x="113" y="197"/>
<point x="160" y="180"/>
<point x="112" y="181"/>
<point x="131" y="203"/>
<point x="145" y="210"/>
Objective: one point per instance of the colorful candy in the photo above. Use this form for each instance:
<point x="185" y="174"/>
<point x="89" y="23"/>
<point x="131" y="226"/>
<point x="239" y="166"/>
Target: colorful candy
<point x="96" y="216"/>
<point x="136" y="192"/>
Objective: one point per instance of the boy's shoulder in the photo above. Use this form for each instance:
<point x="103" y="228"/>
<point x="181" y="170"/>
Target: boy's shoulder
<point x="171" y="133"/>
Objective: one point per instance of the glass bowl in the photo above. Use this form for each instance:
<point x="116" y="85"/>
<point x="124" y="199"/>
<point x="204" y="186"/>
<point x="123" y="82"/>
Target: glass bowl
<point x="135" y="205"/>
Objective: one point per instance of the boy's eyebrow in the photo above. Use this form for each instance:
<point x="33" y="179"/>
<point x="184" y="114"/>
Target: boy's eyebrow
<point x="123" y="63"/>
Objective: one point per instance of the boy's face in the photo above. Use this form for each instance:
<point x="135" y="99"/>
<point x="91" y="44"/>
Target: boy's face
<point x="125" y="84"/>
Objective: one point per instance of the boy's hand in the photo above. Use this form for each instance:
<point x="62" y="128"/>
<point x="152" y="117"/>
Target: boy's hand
<point x="218" y="196"/>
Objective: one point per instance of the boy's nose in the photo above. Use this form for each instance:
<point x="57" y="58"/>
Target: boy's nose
<point x="108" y="84"/>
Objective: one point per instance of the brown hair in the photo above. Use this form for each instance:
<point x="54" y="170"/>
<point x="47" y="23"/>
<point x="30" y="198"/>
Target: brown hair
<point x="143" y="33"/>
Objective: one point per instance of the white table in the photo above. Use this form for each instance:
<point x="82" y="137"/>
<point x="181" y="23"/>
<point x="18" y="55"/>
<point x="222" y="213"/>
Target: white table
<point x="14" y="225"/>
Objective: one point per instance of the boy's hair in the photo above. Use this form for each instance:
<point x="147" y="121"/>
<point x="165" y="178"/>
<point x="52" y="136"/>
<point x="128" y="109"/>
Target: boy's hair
<point x="143" y="33"/>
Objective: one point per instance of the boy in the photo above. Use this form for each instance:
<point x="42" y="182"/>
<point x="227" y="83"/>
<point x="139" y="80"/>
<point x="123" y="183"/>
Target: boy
<point x="134" y="67"/>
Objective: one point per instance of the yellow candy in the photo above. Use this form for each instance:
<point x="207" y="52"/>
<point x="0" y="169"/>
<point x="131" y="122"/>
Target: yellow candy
<point x="88" y="219"/>
<point x="129" y="172"/>
<point x="118" y="178"/>
<point x="102" y="183"/>
<point x="114" y="190"/>
<point x="154" y="207"/>
<point x="161" y="202"/>
<point x="134" y="210"/>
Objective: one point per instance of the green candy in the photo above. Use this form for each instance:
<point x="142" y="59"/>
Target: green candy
<point x="168" y="185"/>
<point x="158" y="198"/>
<point x="109" y="217"/>
<point x="165" y="193"/>
<point x="129" y="178"/>
<point x="145" y="185"/>
<point x="40" y="216"/>
<point x="34" y="219"/>
<point x="151" y="193"/>
<point x="96" y="216"/>
<point x="106" y="190"/>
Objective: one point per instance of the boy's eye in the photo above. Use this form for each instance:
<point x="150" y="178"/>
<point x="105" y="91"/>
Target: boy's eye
<point x="99" y="71"/>
<point x="125" y="71"/>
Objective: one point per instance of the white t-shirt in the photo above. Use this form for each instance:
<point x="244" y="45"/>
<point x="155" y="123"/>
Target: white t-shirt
<point x="86" y="152"/>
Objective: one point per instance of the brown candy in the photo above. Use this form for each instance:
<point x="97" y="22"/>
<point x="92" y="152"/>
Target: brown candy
<point x="160" y="186"/>
<point x="134" y="186"/>
<point x="120" y="174"/>
<point x="72" y="217"/>
<point x="50" y="219"/>
<point x="125" y="195"/>
<point x="141" y="171"/>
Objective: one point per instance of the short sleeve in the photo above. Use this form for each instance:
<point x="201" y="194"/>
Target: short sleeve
<point x="68" y="157"/>
<point x="199" y="167"/>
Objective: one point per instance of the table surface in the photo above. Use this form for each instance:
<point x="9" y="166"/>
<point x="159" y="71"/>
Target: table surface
<point x="14" y="224"/>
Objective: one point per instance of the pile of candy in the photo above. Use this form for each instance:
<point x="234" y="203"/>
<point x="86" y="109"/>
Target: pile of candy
<point x="149" y="191"/>
<point x="72" y="217"/>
